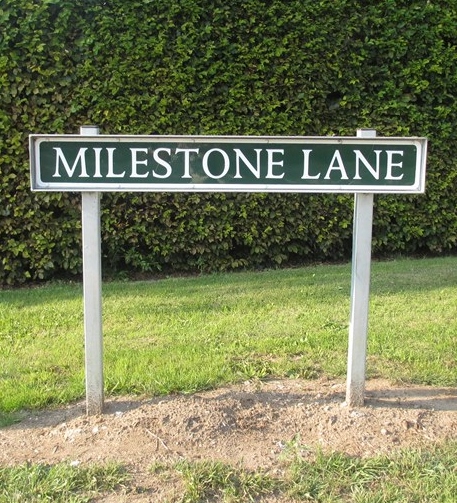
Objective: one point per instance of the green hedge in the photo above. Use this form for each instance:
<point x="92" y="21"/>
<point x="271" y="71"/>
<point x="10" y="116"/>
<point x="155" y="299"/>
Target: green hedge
<point x="215" y="67"/>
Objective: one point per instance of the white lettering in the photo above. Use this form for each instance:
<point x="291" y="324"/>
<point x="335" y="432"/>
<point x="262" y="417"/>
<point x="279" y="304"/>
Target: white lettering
<point x="360" y="157"/>
<point x="391" y="164"/>
<point x="81" y="157"/>
<point x="186" y="152"/>
<point x="271" y="163"/>
<point x="162" y="162"/>
<point x="111" y="172"/>
<point x="135" y="162"/>
<point x="254" y="170"/>
<point x="97" y="152"/>
<point x="306" y="175"/>
<point x="339" y="167"/>
<point x="206" y="167"/>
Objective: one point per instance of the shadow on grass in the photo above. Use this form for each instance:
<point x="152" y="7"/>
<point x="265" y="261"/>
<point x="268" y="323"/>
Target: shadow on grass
<point x="53" y="417"/>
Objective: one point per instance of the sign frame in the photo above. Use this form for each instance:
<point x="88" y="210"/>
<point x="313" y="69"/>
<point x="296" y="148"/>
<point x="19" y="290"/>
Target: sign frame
<point x="39" y="166"/>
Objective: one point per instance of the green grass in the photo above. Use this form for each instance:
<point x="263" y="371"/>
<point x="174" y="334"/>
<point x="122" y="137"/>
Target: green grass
<point x="186" y="334"/>
<point x="407" y="476"/>
<point x="410" y="476"/>
<point x="58" y="483"/>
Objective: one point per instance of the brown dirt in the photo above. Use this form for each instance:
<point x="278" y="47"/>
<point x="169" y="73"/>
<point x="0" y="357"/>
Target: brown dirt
<point x="248" y="424"/>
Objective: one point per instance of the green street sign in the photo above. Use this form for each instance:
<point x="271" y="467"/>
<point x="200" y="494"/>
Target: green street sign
<point x="104" y="163"/>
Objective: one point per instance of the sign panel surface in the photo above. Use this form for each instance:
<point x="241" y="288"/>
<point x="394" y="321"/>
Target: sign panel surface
<point x="227" y="164"/>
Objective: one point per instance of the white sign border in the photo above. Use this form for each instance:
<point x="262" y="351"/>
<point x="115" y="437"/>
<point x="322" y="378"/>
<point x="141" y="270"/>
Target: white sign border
<point x="417" y="188"/>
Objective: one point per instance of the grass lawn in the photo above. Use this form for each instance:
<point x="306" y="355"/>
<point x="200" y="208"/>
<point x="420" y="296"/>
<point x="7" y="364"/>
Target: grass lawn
<point x="186" y="334"/>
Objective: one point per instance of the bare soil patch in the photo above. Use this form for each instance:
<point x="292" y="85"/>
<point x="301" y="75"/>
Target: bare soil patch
<point x="248" y="424"/>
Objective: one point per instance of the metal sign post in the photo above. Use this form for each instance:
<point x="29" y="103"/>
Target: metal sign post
<point x="92" y="285"/>
<point x="360" y="292"/>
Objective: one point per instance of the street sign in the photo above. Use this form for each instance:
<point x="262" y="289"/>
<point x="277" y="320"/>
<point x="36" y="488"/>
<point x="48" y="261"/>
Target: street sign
<point x="93" y="163"/>
<point x="105" y="163"/>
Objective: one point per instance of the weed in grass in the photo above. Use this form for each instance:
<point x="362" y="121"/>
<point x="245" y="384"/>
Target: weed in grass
<point x="252" y="366"/>
<point x="215" y="481"/>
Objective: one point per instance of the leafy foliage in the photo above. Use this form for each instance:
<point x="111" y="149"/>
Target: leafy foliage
<point x="212" y="67"/>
